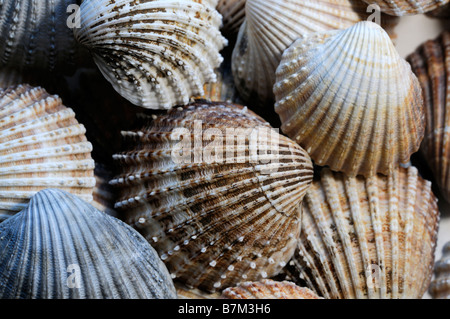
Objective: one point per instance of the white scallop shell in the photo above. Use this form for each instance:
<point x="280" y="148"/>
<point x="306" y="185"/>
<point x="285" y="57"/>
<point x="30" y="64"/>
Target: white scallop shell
<point x="271" y="26"/>
<point x="350" y="100"/>
<point x="164" y="55"/>
<point x="42" y="145"/>
<point x="60" y="247"/>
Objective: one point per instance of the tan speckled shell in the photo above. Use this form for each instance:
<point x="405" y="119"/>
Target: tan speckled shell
<point x="42" y="146"/>
<point x="407" y="7"/>
<point x="440" y="286"/>
<point x="214" y="222"/>
<point x="271" y="26"/>
<point x="368" y="238"/>
<point x="184" y="292"/>
<point x="350" y="100"/>
<point x="268" y="289"/>
<point x="165" y="65"/>
<point x="431" y="64"/>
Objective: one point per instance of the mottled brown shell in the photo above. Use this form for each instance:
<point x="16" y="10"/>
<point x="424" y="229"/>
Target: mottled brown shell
<point x="214" y="222"/>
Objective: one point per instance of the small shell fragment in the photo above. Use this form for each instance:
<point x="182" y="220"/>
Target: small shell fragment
<point x="268" y="289"/>
<point x="440" y="286"/>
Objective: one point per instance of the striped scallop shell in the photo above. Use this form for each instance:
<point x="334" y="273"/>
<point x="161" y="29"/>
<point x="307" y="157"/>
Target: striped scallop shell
<point x="431" y="64"/>
<point x="407" y="7"/>
<point x="271" y="26"/>
<point x="60" y="247"/>
<point x="368" y="237"/>
<point x="440" y="286"/>
<point x="34" y="34"/>
<point x="268" y="289"/>
<point x="233" y="13"/>
<point x="216" y="212"/>
<point x="42" y="146"/>
<point x="350" y="100"/>
<point x="164" y="55"/>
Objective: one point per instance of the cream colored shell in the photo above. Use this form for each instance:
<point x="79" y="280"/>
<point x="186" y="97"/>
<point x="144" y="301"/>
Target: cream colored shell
<point x="41" y="146"/>
<point x="215" y="217"/>
<point x="268" y="289"/>
<point x="156" y="54"/>
<point x="368" y="237"/>
<point x="271" y="26"/>
<point x="350" y="100"/>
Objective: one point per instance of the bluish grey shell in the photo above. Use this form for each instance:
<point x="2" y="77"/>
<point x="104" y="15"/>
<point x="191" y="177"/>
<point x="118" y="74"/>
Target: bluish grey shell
<point x="60" y="247"/>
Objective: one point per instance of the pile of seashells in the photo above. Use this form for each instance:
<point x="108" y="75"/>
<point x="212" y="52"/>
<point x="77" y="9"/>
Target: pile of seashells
<point x="139" y="155"/>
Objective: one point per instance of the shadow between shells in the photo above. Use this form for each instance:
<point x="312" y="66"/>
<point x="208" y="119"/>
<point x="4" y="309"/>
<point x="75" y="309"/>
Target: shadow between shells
<point x="276" y="149"/>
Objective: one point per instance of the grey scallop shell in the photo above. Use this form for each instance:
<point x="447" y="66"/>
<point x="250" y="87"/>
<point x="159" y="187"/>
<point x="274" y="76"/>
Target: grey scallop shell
<point x="36" y="34"/>
<point x="60" y="247"/>
<point x="440" y="286"/>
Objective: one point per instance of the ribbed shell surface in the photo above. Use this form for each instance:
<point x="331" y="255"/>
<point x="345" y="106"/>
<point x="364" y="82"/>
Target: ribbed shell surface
<point x="350" y="100"/>
<point x="214" y="222"/>
<point x="368" y="238"/>
<point x="407" y="7"/>
<point x="156" y="54"/>
<point x="42" y="145"/>
<point x="268" y="289"/>
<point x="60" y="247"/>
<point x="233" y="13"/>
<point x="440" y="286"/>
<point x="431" y="64"/>
<point x="271" y="26"/>
<point x="34" y="34"/>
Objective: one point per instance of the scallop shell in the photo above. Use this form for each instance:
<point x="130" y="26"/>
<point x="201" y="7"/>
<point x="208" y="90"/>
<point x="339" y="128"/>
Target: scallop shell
<point x="350" y="100"/>
<point x="271" y="26"/>
<point x="441" y="12"/>
<point x="104" y="195"/>
<point x="35" y="34"/>
<point x="407" y="7"/>
<point x="60" y="247"/>
<point x="268" y="289"/>
<point x="42" y="146"/>
<point x="215" y="217"/>
<point x="184" y="292"/>
<point x="431" y="64"/>
<point x="233" y="13"/>
<point x="440" y="286"/>
<point x="163" y="66"/>
<point x="368" y="237"/>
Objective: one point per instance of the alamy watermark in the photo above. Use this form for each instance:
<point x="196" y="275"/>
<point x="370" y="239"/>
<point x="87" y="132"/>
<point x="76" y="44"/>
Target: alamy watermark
<point x="74" y="276"/>
<point x="74" y="19"/>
